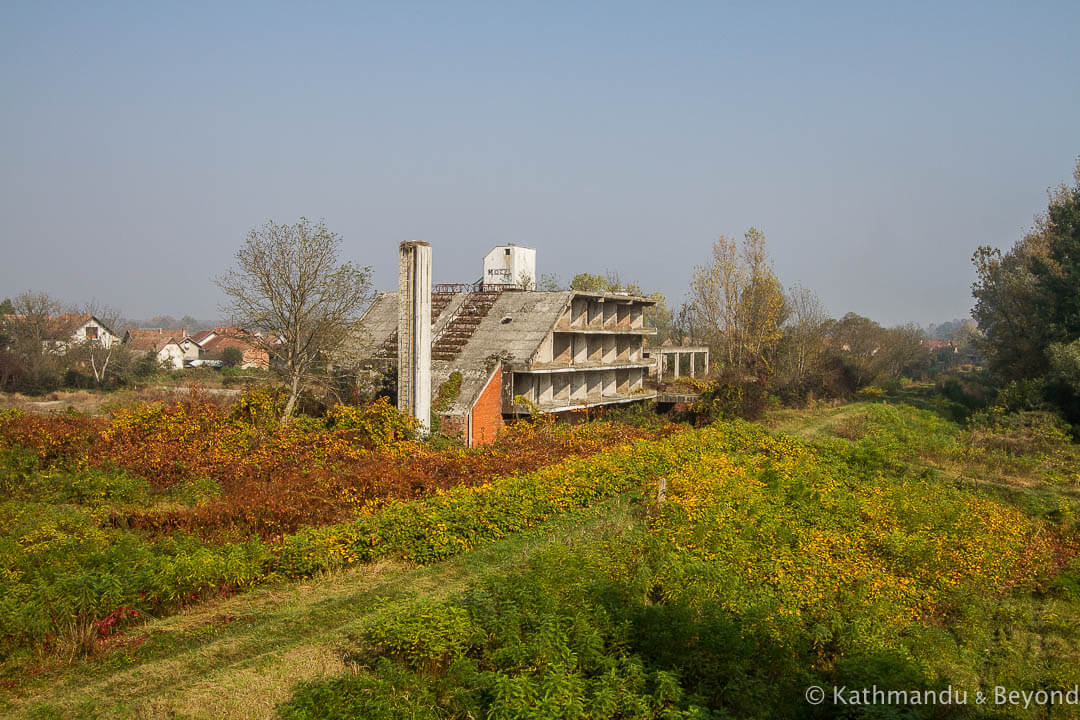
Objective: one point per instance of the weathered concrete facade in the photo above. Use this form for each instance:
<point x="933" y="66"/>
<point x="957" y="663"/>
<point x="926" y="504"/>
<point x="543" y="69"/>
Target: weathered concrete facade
<point x="520" y="351"/>
<point x="669" y="360"/>
<point x="593" y="355"/>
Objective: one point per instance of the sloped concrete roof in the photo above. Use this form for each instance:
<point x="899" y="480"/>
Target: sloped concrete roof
<point x="529" y="316"/>
<point x="377" y="322"/>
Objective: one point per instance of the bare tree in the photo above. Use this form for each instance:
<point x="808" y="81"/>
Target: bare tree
<point x="550" y="282"/>
<point x="804" y="332"/>
<point x="526" y="281"/>
<point x="685" y="324"/>
<point x="98" y="352"/>
<point x="291" y="296"/>
<point x="33" y="343"/>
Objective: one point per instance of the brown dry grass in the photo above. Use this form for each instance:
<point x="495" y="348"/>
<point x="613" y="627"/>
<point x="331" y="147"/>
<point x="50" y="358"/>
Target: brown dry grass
<point x="91" y="402"/>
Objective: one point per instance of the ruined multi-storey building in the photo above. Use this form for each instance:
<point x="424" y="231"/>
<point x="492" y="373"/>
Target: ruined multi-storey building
<point x="501" y="349"/>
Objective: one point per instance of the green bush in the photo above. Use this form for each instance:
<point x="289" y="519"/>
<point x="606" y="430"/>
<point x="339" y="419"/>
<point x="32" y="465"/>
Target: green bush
<point x="391" y="693"/>
<point x="448" y="392"/>
<point x="423" y="635"/>
<point x="62" y="567"/>
<point x="232" y="357"/>
<point x="538" y="644"/>
<point x="21" y="478"/>
<point x="728" y="397"/>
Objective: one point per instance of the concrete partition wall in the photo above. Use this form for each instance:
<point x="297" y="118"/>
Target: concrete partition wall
<point x="581" y="349"/>
<point x="637" y="380"/>
<point x="610" y="315"/>
<point x="544" y="353"/>
<point x="609" y="384"/>
<point x="611" y="350"/>
<point x="524" y="384"/>
<point x="596" y="348"/>
<point x="560" y="384"/>
<point x="596" y="314"/>
<point x="545" y="389"/>
<point x="596" y="384"/>
<point x="579" y="312"/>
<point x="579" y="389"/>
<point x="562" y="348"/>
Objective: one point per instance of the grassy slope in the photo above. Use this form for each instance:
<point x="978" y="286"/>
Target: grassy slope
<point x="812" y="424"/>
<point x="1022" y="630"/>
<point x="1025" y="489"/>
<point x="241" y="656"/>
<point x="201" y="663"/>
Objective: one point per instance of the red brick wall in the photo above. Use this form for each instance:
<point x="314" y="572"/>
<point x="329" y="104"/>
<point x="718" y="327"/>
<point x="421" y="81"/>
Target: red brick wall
<point x="258" y="358"/>
<point x="453" y="425"/>
<point x="487" y="412"/>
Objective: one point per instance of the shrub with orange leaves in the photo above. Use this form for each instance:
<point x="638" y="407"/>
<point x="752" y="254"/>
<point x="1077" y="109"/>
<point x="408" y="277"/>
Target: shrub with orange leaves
<point x="275" y="479"/>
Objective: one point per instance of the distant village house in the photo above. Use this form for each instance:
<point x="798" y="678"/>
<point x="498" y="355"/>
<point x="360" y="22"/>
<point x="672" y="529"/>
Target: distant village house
<point x="171" y="348"/>
<point x="84" y="327"/>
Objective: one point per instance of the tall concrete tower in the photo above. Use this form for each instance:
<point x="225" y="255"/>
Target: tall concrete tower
<point x="414" y="331"/>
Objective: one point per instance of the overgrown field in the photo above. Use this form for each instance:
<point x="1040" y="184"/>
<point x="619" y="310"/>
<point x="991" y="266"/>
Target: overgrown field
<point x="774" y="564"/>
<point x="103" y="521"/>
<point x="894" y="549"/>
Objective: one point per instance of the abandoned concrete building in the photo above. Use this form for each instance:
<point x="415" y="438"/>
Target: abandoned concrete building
<point x="499" y="349"/>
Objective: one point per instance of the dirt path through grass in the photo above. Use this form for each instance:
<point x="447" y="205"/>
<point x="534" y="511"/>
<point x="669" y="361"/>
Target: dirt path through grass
<point x="811" y="424"/>
<point x="239" y="657"/>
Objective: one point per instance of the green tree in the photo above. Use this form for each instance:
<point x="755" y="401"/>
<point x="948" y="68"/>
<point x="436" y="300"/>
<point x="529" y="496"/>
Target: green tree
<point x="858" y="341"/>
<point x="587" y="282"/>
<point x="6" y="307"/>
<point x="1006" y="296"/>
<point x="1027" y="300"/>
<point x="232" y="357"/>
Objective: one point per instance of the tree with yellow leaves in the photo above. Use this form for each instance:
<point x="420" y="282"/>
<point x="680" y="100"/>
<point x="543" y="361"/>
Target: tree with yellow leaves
<point x="737" y="303"/>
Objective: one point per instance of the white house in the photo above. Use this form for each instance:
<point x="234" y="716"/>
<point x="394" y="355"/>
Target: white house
<point x="85" y="327"/>
<point x="190" y="349"/>
<point x="164" y="345"/>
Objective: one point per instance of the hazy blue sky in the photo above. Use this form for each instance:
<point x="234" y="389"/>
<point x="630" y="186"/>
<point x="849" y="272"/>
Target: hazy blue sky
<point x="875" y="144"/>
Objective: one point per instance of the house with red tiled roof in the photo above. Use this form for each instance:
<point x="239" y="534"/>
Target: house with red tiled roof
<point x="172" y="348"/>
<point x="63" y="331"/>
<point x="84" y="327"/>
<point x="253" y="355"/>
<point x="202" y="336"/>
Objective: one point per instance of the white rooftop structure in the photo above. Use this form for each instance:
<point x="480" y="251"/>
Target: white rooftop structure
<point x="510" y="265"/>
